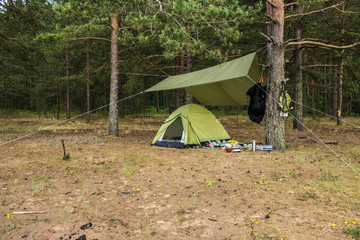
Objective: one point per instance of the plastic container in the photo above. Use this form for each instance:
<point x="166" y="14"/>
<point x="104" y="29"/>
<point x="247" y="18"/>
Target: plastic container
<point x="267" y="147"/>
<point x="253" y="145"/>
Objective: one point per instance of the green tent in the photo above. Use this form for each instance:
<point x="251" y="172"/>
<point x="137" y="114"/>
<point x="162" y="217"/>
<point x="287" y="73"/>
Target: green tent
<point x="189" y="125"/>
<point x="225" y="84"/>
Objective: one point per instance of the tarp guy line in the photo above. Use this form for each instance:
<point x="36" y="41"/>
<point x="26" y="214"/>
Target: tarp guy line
<point x="321" y="141"/>
<point x="326" y="114"/>
<point x="69" y="119"/>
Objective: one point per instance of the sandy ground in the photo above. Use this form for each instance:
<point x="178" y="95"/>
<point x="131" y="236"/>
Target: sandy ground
<point x="128" y="189"/>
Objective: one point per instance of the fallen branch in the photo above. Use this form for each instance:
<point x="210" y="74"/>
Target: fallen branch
<point x="29" y="212"/>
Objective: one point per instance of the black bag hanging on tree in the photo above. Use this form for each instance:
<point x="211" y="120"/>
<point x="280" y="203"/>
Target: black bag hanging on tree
<point x="257" y="103"/>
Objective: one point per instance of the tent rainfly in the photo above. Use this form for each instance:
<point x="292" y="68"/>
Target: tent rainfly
<point x="225" y="84"/>
<point x="189" y="125"/>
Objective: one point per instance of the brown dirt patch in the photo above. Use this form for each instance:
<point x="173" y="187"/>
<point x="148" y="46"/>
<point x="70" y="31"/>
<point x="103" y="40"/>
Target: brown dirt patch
<point x="128" y="189"/>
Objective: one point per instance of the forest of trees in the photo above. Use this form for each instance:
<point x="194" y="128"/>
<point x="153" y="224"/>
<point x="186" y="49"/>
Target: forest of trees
<point x="62" y="57"/>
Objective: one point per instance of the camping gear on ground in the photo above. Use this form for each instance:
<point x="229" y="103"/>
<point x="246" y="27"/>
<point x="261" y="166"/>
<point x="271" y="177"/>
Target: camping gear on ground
<point x="225" y="84"/>
<point x="235" y="147"/>
<point x="267" y="147"/>
<point x="253" y="145"/>
<point x="257" y="103"/>
<point x="188" y="126"/>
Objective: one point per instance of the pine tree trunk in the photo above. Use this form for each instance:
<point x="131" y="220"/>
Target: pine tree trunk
<point x="341" y="76"/>
<point x="340" y="102"/>
<point x="313" y="100"/>
<point x="113" y="127"/>
<point x="88" y="79"/>
<point x="57" y="101"/>
<point x="335" y="92"/>
<point x="157" y="102"/>
<point x="274" y="124"/>
<point x="68" y="116"/>
<point x="298" y="89"/>
<point x="189" y="97"/>
<point x="45" y="105"/>
<point x="177" y="70"/>
<point x="38" y="102"/>
<point x="325" y="92"/>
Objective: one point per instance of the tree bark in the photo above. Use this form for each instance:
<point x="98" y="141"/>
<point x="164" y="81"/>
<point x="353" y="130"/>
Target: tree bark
<point x="313" y="100"/>
<point x="340" y="93"/>
<point x="179" y="69"/>
<point x="274" y="124"/>
<point x="325" y="91"/>
<point x="88" y="79"/>
<point x="334" y="92"/>
<point x="57" y="101"/>
<point x="157" y="102"/>
<point x="189" y="97"/>
<point x="341" y="76"/>
<point x="68" y="116"/>
<point x="298" y="88"/>
<point x="45" y="105"/>
<point x="113" y="127"/>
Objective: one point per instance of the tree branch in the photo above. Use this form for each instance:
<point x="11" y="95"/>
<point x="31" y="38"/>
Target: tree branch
<point x="315" y="11"/>
<point x="271" y="3"/>
<point x="319" y="65"/>
<point x="14" y="40"/>
<point x="152" y="64"/>
<point x="160" y="4"/>
<point x="270" y="39"/>
<point x="346" y="11"/>
<point x="94" y="38"/>
<point x="97" y="70"/>
<point x="324" y="44"/>
<point x="272" y="19"/>
<point x="291" y="4"/>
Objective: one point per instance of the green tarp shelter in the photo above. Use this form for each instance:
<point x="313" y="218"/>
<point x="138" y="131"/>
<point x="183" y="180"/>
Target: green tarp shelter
<point x="189" y="125"/>
<point x="225" y="84"/>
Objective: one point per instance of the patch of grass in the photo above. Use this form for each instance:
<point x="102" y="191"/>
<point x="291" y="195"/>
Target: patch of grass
<point x="307" y="195"/>
<point x="292" y="174"/>
<point x="351" y="229"/>
<point x="35" y="188"/>
<point x="209" y="182"/>
<point x="135" y="190"/>
<point x="181" y="210"/>
<point x="128" y="171"/>
<point x="327" y="175"/>
<point x="198" y="193"/>
<point x="354" y="232"/>
<point x="86" y="200"/>
<point x="274" y="175"/>
<point x="12" y="227"/>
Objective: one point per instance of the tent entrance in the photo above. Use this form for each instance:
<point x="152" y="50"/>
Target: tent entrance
<point x="174" y="132"/>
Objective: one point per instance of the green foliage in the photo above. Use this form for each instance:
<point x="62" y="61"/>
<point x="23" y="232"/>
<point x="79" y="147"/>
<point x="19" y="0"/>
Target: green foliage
<point x="34" y="34"/>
